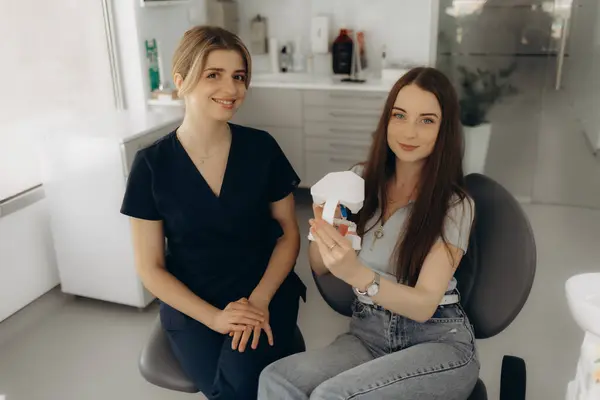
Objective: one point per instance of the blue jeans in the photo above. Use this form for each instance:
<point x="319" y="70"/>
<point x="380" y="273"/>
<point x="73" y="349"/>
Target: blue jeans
<point x="384" y="356"/>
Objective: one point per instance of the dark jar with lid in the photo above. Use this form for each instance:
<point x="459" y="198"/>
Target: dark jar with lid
<point x="342" y="53"/>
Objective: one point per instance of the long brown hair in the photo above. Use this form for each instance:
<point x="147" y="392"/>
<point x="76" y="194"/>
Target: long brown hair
<point x="440" y="181"/>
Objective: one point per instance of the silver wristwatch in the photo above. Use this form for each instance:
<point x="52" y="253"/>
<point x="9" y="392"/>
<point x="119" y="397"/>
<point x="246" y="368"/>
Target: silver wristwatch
<point x="372" y="289"/>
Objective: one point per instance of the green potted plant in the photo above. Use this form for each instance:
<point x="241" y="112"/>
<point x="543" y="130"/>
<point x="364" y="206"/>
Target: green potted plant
<point x="480" y="90"/>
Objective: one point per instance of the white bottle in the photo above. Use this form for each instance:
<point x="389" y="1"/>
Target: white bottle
<point x="299" y="61"/>
<point x="274" y="54"/>
<point x="319" y="35"/>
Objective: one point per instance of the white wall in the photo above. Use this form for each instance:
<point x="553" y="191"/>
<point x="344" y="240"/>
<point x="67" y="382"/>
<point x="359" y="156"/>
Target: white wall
<point x="27" y="262"/>
<point x="46" y="67"/>
<point x="55" y="60"/>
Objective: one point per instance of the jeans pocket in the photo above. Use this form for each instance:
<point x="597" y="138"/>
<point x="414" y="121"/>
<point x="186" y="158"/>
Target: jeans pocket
<point x="359" y="309"/>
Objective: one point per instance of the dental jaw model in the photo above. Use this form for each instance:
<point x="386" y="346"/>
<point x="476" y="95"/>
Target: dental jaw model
<point x="583" y="297"/>
<point x="346" y="189"/>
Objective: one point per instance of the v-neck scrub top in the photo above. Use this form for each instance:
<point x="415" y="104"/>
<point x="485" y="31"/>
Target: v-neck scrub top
<point x="219" y="246"/>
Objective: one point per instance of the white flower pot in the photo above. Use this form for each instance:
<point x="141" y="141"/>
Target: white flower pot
<point x="477" y="140"/>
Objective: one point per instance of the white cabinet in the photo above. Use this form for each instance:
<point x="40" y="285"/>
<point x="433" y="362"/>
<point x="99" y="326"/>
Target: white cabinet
<point x="342" y="117"/>
<point x="279" y="112"/>
<point x="338" y="127"/>
<point x="346" y="99"/>
<point x="319" y="164"/>
<point x="291" y="142"/>
<point x="271" y="107"/>
<point x="85" y="172"/>
<point x="320" y="131"/>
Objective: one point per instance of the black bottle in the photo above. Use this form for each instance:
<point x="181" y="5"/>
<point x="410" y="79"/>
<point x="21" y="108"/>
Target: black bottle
<point x="342" y="49"/>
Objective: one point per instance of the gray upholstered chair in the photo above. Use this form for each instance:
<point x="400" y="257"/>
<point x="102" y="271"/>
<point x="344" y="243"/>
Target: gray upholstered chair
<point x="494" y="277"/>
<point x="159" y="366"/>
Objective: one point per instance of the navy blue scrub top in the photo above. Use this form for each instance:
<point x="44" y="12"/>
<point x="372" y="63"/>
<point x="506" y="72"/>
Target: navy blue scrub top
<point x="218" y="246"/>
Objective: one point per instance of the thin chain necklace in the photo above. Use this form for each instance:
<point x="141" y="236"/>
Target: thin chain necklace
<point x="201" y="160"/>
<point x="379" y="232"/>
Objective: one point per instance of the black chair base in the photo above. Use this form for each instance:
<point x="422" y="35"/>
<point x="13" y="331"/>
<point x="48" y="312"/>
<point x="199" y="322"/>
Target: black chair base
<point x="479" y="392"/>
<point x="159" y="366"/>
<point x="513" y="379"/>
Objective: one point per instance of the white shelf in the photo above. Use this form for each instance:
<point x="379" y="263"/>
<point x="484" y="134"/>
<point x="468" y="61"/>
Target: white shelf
<point x="169" y="103"/>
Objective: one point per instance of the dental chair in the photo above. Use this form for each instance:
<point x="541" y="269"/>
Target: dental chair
<point x="494" y="278"/>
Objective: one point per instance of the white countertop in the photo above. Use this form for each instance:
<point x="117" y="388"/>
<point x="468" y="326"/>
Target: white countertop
<point x="303" y="81"/>
<point x="134" y="125"/>
<point x="120" y="126"/>
<point x="317" y="82"/>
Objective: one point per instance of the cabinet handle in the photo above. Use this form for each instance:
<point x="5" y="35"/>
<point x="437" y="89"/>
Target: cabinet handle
<point x="358" y="131"/>
<point x="346" y="96"/>
<point x="348" y="146"/>
<point x="341" y="160"/>
<point x="352" y="115"/>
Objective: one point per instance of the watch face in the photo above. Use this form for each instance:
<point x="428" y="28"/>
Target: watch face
<point x="373" y="290"/>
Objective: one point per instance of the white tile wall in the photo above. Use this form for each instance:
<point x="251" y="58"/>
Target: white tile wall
<point x="403" y="26"/>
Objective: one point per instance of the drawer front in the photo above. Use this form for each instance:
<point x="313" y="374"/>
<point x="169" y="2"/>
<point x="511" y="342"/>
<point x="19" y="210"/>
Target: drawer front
<point x="339" y="131"/>
<point x="320" y="164"/>
<point x="345" y="99"/>
<point x="130" y="148"/>
<point x="336" y="147"/>
<point x="270" y="107"/>
<point x="342" y="116"/>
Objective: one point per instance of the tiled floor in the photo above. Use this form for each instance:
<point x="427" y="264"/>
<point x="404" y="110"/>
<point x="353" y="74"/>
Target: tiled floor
<point x="61" y="348"/>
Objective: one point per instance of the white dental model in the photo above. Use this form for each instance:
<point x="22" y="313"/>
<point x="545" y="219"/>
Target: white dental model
<point x="345" y="188"/>
<point x="583" y="297"/>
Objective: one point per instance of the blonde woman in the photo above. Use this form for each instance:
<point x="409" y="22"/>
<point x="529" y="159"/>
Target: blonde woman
<point x="221" y="195"/>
